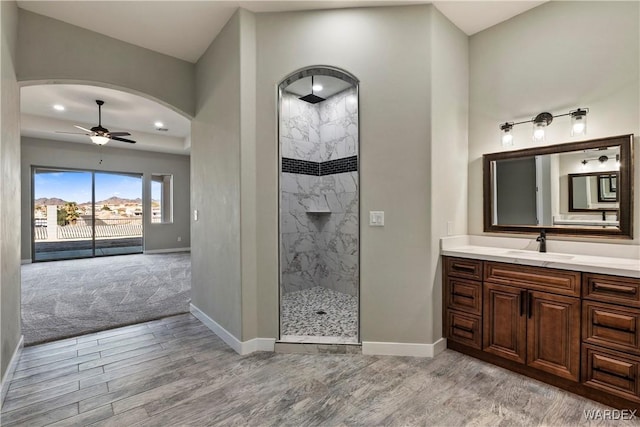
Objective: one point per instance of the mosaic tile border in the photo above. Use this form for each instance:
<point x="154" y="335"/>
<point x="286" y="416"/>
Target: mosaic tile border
<point x="330" y="167"/>
<point x="303" y="167"/>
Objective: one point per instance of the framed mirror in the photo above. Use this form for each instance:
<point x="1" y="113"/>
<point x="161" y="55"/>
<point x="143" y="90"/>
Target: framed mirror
<point x="593" y="191"/>
<point x="580" y="188"/>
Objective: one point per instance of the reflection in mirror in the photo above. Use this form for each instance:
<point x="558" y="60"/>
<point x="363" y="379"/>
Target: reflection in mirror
<point x="593" y="192"/>
<point x="607" y="188"/>
<point x="576" y="188"/>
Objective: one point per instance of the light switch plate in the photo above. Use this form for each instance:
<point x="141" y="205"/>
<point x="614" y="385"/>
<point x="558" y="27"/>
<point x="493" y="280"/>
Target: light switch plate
<point x="376" y="218"/>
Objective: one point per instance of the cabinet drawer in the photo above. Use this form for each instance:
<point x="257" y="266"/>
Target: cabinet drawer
<point x="463" y="268"/>
<point x="611" y="326"/>
<point x="535" y="278"/>
<point x="464" y="328"/>
<point x="464" y="295"/>
<point x="610" y="371"/>
<point x="614" y="289"/>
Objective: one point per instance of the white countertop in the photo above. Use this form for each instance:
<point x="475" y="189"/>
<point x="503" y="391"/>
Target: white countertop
<point x="514" y="253"/>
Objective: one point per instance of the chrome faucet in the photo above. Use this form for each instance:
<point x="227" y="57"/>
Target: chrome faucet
<point x="542" y="238"/>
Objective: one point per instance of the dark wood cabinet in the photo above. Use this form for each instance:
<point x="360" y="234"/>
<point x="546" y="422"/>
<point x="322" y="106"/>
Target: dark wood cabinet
<point x="463" y="301"/>
<point x="611" y="372"/>
<point x="505" y="326"/>
<point x="535" y="278"/>
<point x="464" y="328"/>
<point x="611" y="335"/>
<point x="463" y="268"/>
<point x="578" y="331"/>
<point x="611" y="326"/>
<point x="616" y="290"/>
<point x="536" y="328"/>
<point x="553" y="334"/>
<point x="464" y="295"/>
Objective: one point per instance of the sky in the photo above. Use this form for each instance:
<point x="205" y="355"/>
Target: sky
<point x="75" y="186"/>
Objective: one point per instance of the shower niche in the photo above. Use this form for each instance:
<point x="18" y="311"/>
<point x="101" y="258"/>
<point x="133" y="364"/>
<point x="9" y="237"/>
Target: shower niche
<point x="319" y="233"/>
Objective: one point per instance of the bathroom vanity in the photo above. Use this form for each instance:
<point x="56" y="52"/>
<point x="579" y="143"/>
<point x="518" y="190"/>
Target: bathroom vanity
<point x="572" y="321"/>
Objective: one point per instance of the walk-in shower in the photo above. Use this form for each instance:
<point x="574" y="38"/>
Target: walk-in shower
<point x="319" y="207"/>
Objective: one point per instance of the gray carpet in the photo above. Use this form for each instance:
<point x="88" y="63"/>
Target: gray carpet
<point x="62" y="299"/>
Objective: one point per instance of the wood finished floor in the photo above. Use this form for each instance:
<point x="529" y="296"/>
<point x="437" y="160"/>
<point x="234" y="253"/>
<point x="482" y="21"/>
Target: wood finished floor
<point x="175" y="371"/>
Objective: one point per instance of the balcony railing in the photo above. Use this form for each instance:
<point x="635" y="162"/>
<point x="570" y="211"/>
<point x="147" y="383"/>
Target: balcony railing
<point x="105" y="228"/>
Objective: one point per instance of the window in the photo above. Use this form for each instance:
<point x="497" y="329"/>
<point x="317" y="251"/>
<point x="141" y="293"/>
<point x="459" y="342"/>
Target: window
<point x="161" y="198"/>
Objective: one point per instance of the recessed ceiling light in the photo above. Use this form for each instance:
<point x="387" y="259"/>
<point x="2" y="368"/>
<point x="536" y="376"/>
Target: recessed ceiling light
<point x="158" y="124"/>
<point x="58" y="107"/>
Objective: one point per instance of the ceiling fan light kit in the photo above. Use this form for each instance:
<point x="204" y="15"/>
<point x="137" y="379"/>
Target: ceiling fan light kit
<point x="100" y="135"/>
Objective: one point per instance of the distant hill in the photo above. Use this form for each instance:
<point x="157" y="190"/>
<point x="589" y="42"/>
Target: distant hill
<point x="119" y="201"/>
<point x="45" y="201"/>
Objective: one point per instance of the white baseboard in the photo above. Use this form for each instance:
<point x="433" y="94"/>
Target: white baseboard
<point x="403" y="349"/>
<point x="240" y="347"/>
<point x="25" y="261"/>
<point x="166" y="251"/>
<point x="13" y="363"/>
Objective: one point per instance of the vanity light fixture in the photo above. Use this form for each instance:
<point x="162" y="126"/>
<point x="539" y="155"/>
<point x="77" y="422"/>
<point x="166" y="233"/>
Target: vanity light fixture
<point x="602" y="161"/>
<point x="540" y="123"/>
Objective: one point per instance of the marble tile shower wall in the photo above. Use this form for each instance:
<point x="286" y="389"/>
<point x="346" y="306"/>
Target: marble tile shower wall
<point x="319" y="249"/>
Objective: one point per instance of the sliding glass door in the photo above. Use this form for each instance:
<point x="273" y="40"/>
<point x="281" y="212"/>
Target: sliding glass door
<point x="81" y="214"/>
<point x="118" y="217"/>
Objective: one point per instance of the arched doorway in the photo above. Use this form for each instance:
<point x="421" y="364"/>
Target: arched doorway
<point x="319" y="234"/>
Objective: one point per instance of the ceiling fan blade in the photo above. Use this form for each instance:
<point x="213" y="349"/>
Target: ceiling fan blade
<point x="72" y="133"/>
<point x="119" y="133"/>
<point x="115" y="138"/>
<point x="84" y="129"/>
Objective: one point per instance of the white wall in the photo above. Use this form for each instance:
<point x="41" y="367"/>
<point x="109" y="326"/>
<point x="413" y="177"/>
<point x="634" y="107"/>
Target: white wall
<point x="250" y="211"/>
<point x="52" y="50"/>
<point x="215" y="179"/>
<point x="39" y="152"/>
<point x="449" y="152"/>
<point x="388" y="50"/>
<point x="9" y="188"/>
<point x="555" y="57"/>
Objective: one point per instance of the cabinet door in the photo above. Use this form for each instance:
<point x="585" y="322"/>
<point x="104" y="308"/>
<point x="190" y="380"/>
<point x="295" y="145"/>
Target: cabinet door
<point x="504" y="322"/>
<point x="553" y="334"/>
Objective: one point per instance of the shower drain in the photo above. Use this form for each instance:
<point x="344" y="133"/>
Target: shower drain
<point x="321" y="312"/>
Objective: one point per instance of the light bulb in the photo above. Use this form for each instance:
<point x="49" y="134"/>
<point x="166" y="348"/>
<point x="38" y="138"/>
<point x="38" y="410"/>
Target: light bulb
<point x="316" y="87"/>
<point x="158" y="124"/>
<point x="540" y="122"/>
<point x="58" y="107"/>
<point x="577" y="128"/>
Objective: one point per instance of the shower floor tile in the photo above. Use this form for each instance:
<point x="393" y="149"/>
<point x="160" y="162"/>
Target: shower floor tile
<point x="299" y="315"/>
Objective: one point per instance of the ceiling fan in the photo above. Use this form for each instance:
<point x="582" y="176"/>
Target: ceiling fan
<point x="100" y="135"/>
